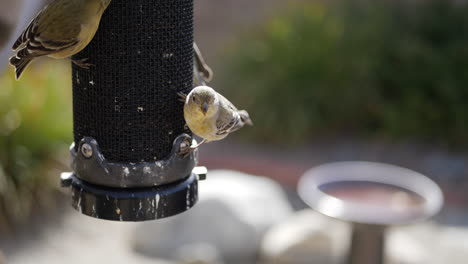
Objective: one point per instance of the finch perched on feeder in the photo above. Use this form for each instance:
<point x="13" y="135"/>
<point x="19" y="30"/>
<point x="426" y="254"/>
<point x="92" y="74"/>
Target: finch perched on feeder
<point x="60" y="30"/>
<point x="211" y="116"/>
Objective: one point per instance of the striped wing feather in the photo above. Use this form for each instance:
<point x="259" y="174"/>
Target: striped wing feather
<point x="234" y="122"/>
<point x="40" y="36"/>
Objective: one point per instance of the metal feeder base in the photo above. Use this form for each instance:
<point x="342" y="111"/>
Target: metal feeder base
<point x="132" y="204"/>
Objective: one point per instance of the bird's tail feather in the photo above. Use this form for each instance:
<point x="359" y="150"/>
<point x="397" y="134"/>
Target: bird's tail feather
<point x="20" y="64"/>
<point x="245" y="117"/>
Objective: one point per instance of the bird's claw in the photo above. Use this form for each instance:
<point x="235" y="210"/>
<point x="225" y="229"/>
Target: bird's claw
<point x="83" y="63"/>
<point x="182" y="96"/>
<point x="185" y="152"/>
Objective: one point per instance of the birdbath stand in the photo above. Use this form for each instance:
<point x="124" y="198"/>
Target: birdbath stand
<point x="372" y="196"/>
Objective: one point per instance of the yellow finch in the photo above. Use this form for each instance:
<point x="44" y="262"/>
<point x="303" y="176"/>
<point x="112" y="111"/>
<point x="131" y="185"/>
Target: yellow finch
<point x="60" y="30"/>
<point x="210" y="115"/>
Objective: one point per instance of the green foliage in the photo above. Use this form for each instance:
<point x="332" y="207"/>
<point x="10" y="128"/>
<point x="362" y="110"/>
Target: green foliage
<point x="386" y="68"/>
<point x="35" y="127"/>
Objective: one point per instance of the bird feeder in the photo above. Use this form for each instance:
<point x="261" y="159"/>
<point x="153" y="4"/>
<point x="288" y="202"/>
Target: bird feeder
<point x="128" y="122"/>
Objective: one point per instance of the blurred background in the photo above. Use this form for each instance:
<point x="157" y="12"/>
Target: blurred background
<point x="323" y="80"/>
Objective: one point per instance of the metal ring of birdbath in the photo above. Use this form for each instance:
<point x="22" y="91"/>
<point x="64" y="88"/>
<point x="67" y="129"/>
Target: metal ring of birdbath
<point x="310" y="191"/>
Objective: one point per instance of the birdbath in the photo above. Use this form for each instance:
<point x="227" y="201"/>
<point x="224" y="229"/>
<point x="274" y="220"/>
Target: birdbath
<point x="371" y="196"/>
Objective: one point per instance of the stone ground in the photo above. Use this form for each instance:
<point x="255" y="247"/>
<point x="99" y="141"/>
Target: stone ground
<point x="73" y="238"/>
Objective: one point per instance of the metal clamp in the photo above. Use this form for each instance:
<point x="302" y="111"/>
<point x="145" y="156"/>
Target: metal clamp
<point x="90" y="165"/>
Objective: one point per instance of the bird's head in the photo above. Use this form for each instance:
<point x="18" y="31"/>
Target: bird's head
<point x="204" y="100"/>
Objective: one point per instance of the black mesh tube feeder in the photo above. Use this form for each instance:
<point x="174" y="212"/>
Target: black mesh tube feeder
<point x="128" y="122"/>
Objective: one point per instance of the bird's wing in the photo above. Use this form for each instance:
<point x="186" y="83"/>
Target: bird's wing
<point x="38" y="40"/>
<point x="28" y="32"/>
<point x="232" y="124"/>
<point x="229" y="119"/>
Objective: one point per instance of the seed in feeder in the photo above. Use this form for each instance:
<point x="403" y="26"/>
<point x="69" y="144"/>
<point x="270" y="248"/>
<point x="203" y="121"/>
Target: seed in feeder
<point x="140" y="109"/>
<point x="167" y="55"/>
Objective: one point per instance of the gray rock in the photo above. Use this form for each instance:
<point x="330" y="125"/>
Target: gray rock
<point x="234" y="212"/>
<point x="404" y="248"/>
<point x="427" y="243"/>
<point x="198" y="253"/>
<point x="306" y="237"/>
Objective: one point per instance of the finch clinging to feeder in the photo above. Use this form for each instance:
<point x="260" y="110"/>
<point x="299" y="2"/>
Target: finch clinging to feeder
<point x="60" y="30"/>
<point x="210" y="115"/>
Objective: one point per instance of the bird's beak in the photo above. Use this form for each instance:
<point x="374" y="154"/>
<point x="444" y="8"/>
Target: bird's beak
<point x="204" y="108"/>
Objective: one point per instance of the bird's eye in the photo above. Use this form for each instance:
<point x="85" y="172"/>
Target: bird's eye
<point x="193" y="98"/>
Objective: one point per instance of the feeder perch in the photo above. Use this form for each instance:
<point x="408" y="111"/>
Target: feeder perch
<point x="128" y="122"/>
<point x="371" y="196"/>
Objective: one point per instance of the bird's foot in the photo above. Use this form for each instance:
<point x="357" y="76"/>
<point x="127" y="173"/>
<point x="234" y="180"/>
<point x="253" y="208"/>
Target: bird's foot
<point x="186" y="151"/>
<point x="83" y="63"/>
<point x="182" y="96"/>
<point x="186" y="148"/>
